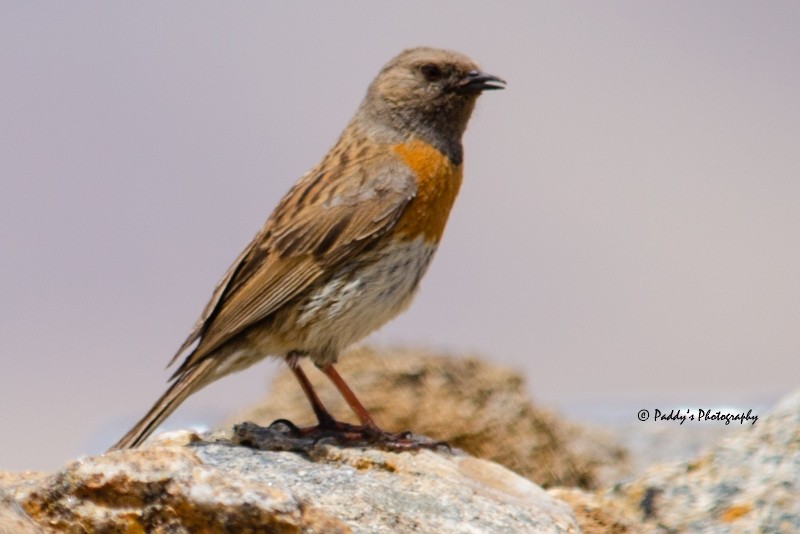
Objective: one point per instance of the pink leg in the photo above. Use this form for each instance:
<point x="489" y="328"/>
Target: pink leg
<point x="323" y="415"/>
<point x="350" y="397"/>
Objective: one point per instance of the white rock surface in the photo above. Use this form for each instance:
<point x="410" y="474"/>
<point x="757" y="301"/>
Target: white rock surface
<point x="750" y="482"/>
<point x="219" y="487"/>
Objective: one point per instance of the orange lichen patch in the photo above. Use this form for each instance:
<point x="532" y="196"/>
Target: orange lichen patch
<point x="364" y="464"/>
<point x="438" y="182"/>
<point x="596" y="514"/>
<point x="359" y="462"/>
<point x="315" y="520"/>
<point x="735" y="512"/>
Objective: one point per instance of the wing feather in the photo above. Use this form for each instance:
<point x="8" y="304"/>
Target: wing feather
<point x="293" y="250"/>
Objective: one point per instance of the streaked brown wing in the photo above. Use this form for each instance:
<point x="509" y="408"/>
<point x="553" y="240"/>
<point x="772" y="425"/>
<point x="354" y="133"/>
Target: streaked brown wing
<point x="298" y="245"/>
<point x="219" y="289"/>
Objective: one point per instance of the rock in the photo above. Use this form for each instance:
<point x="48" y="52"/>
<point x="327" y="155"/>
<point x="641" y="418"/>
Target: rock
<point x="650" y="443"/>
<point x="13" y="520"/>
<point x="750" y="482"/>
<point x="480" y="408"/>
<point x="182" y="482"/>
<point x="596" y="514"/>
<point x="597" y="452"/>
<point x="214" y="486"/>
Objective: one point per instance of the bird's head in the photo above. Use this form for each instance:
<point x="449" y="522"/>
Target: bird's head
<point x="430" y="90"/>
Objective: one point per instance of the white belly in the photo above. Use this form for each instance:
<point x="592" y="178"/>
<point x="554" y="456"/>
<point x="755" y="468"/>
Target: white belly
<point x="356" y="302"/>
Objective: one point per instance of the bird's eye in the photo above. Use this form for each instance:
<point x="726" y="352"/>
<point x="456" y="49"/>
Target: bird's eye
<point x="431" y="72"/>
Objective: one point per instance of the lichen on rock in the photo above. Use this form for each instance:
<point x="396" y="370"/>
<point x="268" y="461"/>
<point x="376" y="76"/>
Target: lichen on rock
<point x="216" y="486"/>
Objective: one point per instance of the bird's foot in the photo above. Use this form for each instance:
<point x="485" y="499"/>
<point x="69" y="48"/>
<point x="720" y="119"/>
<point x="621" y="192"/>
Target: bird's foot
<point x="283" y="435"/>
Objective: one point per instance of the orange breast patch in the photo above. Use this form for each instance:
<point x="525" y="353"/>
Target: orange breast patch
<point x="438" y="181"/>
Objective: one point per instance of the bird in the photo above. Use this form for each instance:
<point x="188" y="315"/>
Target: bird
<point x="345" y="249"/>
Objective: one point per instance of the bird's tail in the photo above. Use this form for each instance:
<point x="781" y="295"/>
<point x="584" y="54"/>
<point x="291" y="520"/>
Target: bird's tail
<point x="185" y="384"/>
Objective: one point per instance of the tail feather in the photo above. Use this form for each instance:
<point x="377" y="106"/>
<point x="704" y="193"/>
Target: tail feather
<point x="187" y="383"/>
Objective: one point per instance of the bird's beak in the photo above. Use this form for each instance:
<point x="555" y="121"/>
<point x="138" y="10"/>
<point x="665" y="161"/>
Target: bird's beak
<point x="476" y="81"/>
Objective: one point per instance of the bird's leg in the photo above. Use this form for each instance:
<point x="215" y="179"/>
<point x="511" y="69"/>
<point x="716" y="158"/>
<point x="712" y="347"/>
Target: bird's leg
<point x="369" y="431"/>
<point x="324" y="417"/>
<point x="350" y="397"/>
<point x="327" y="424"/>
<point x="285" y="435"/>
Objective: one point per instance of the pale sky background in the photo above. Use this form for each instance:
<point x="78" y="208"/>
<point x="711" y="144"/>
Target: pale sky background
<point x="627" y="232"/>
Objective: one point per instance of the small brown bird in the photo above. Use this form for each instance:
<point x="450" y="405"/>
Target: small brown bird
<point x="344" y="251"/>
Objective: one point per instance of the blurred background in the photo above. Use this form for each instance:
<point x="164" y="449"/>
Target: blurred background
<point x="627" y="234"/>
